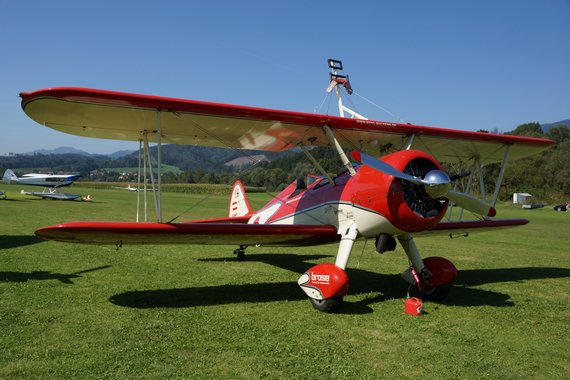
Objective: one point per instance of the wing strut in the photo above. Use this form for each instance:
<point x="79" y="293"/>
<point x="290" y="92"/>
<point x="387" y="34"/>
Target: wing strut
<point x="501" y="175"/>
<point x="339" y="149"/>
<point x="409" y="142"/>
<point x="149" y="161"/>
<point x="139" y="183"/>
<point x="467" y="189"/>
<point x="315" y="162"/>
<point x="476" y="165"/>
<point x="159" y="179"/>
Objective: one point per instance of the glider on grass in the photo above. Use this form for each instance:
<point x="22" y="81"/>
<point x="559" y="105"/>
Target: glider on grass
<point x="50" y="183"/>
<point x="403" y="193"/>
<point x="128" y="188"/>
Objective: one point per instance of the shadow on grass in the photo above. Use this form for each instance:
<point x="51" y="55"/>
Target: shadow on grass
<point x="18" y="241"/>
<point x="362" y="282"/>
<point x="45" y="275"/>
<point x="288" y="261"/>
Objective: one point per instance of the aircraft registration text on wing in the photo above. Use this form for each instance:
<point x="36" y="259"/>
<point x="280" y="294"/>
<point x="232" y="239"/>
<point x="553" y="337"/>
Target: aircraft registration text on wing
<point x="396" y="189"/>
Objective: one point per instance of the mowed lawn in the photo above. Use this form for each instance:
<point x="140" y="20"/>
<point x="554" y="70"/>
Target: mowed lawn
<point x="176" y="311"/>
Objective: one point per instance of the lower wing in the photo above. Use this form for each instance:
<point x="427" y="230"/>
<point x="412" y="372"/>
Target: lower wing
<point x="455" y="229"/>
<point x="120" y="233"/>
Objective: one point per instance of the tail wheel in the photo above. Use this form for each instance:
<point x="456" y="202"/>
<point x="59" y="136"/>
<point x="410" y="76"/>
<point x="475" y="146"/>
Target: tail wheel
<point x="327" y="305"/>
<point x="240" y="253"/>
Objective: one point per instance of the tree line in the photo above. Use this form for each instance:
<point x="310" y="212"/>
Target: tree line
<point x="546" y="175"/>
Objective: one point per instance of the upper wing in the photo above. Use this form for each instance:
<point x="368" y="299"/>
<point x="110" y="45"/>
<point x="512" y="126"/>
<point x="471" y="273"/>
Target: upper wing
<point x="123" y="116"/>
<point x="120" y="233"/>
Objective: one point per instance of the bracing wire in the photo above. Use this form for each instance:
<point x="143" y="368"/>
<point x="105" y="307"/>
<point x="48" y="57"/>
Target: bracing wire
<point x="361" y="253"/>
<point x="188" y="209"/>
<point x="379" y="107"/>
<point x="320" y="106"/>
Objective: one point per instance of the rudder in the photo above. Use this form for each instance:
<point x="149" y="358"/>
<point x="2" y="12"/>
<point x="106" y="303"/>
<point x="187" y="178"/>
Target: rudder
<point x="239" y="204"/>
<point x="9" y="176"/>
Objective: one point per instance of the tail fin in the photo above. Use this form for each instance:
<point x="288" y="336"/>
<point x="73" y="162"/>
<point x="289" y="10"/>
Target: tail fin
<point x="9" y="176"/>
<point x="239" y="204"/>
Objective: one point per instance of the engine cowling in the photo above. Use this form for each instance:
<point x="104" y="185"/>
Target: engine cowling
<point x="407" y="205"/>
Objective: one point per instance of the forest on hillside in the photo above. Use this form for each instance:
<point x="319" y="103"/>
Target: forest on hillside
<point x="546" y="175"/>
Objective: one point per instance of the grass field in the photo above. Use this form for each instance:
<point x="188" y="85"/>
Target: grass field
<point x="155" y="312"/>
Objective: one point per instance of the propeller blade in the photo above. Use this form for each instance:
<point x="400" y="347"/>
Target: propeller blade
<point x="437" y="185"/>
<point x="471" y="203"/>
<point x="383" y="167"/>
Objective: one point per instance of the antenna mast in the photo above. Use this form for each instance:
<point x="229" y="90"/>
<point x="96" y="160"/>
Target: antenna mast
<point x="336" y="80"/>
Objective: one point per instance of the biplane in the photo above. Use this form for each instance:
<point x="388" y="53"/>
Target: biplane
<point x="50" y="182"/>
<point x="392" y="189"/>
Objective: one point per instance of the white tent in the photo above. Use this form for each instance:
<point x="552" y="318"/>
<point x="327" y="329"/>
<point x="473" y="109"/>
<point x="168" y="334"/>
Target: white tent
<point x="519" y="198"/>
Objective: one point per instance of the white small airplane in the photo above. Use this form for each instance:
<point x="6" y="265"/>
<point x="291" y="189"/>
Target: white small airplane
<point x="50" y="183"/>
<point x="129" y="188"/>
<point x="37" y="179"/>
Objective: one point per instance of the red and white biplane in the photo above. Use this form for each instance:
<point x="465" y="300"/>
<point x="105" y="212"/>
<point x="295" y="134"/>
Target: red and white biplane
<point x="403" y="193"/>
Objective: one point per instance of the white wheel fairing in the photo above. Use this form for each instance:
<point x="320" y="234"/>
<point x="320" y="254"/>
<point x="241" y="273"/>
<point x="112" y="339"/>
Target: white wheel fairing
<point x="311" y="291"/>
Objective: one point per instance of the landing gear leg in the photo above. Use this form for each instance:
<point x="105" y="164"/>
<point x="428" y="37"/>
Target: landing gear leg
<point x="326" y="284"/>
<point x="414" y="256"/>
<point x="240" y="252"/>
<point x="434" y="276"/>
<point x="420" y="275"/>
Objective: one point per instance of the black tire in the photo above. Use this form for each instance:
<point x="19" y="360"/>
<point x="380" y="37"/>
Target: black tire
<point x="438" y="293"/>
<point x="241" y="255"/>
<point x="327" y="305"/>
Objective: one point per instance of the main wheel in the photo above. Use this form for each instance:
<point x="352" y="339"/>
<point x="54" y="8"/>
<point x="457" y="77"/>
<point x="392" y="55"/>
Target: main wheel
<point x="327" y="305"/>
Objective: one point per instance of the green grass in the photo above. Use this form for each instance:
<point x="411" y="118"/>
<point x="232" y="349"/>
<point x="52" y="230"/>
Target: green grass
<point x="78" y="311"/>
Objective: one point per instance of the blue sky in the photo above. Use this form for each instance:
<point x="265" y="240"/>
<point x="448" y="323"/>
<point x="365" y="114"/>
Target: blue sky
<point x="450" y="64"/>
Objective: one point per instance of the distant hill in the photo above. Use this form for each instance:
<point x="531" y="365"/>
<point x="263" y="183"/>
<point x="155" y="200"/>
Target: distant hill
<point x="60" y="150"/>
<point x="240" y="161"/>
<point x="183" y="157"/>
<point x="547" y="126"/>
<point x="71" y="150"/>
<point x="120" y="153"/>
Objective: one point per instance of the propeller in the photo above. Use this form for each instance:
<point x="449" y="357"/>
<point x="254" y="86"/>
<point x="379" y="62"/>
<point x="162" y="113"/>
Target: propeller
<point x="437" y="184"/>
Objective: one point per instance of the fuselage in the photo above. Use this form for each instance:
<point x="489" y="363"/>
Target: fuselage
<point x="45" y="180"/>
<point x="376" y="202"/>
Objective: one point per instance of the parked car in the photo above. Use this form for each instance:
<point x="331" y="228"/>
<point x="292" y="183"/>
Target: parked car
<point x="562" y="207"/>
